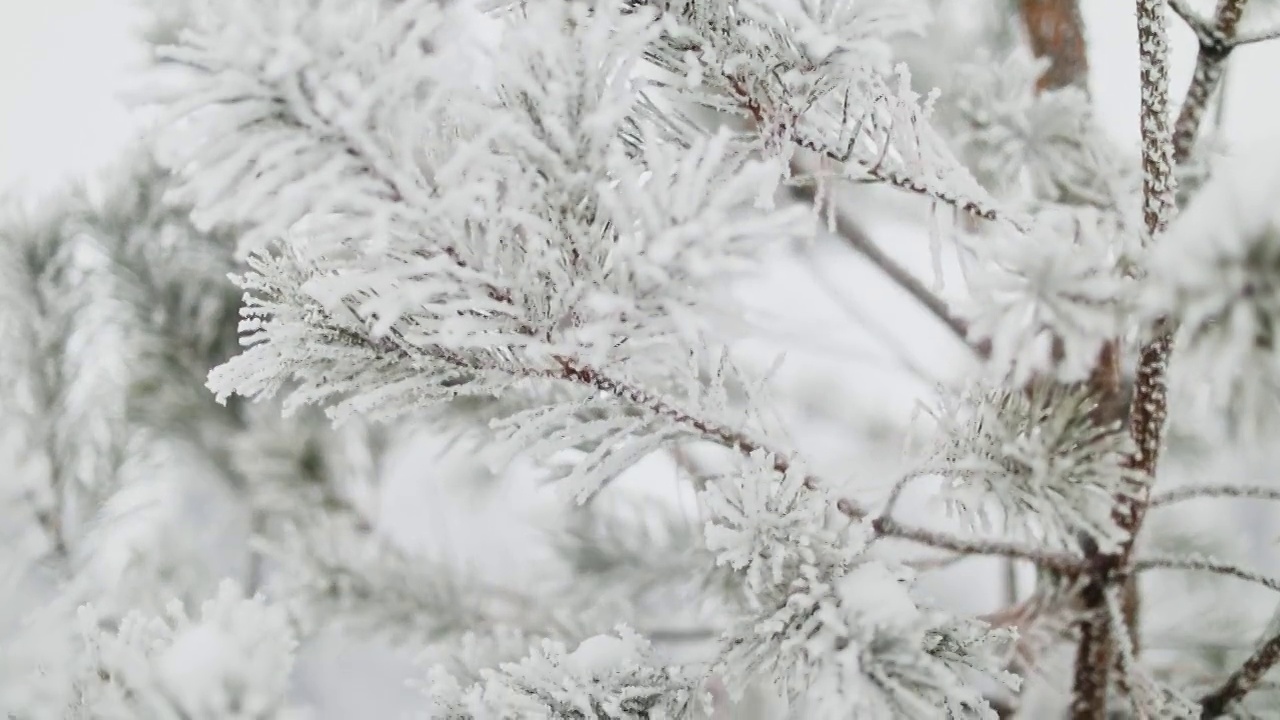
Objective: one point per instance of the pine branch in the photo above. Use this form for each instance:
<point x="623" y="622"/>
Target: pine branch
<point x="936" y="194"/>
<point x="574" y="371"/>
<point x="1245" y="679"/>
<point x="570" y="370"/>
<point x="742" y="98"/>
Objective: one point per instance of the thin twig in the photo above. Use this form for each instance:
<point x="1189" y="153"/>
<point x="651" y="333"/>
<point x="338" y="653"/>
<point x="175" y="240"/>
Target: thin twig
<point x="1064" y="563"/>
<point x="922" y="565"/>
<point x="1205" y="565"/>
<point x="896" y="492"/>
<point x="1214" y="491"/>
<point x="678" y="634"/>
<point x="854" y="236"/>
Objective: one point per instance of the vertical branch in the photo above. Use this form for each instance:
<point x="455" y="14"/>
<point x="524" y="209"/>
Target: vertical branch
<point x="1211" y="63"/>
<point x="1163" y="147"/>
<point x="1157" y="133"/>
<point x="1055" y="30"/>
<point x="1148" y="409"/>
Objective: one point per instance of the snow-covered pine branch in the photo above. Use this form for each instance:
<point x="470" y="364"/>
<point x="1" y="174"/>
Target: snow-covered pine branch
<point x="524" y="224"/>
<point x="233" y="659"/>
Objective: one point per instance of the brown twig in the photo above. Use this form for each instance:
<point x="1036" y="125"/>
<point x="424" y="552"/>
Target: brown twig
<point x="1216" y="43"/>
<point x="1061" y="562"/>
<point x="856" y="238"/>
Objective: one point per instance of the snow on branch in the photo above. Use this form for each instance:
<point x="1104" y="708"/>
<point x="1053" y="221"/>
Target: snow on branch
<point x="833" y="627"/>
<point x="859" y="643"/>
<point x="1048" y="302"/>
<point x="1034" y="146"/>
<point x="1214" y="491"/>
<point x="233" y="660"/>
<point x="613" y="677"/>
<point x="1032" y="460"/>
<point x="818" y="76"/>
<point x="300" y="107"/>
<point x="604" y="275"/>
<point x="1206" y="565"/>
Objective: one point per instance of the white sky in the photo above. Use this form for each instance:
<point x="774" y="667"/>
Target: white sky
<point x="62" y="62"/>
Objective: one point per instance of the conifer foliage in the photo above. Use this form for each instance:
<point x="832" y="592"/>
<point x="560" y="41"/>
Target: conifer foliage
<point x="520" y="226"/>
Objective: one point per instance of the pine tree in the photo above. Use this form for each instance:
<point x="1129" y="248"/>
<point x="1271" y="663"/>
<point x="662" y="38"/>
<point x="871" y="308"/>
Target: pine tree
<point x="519" y="227"/>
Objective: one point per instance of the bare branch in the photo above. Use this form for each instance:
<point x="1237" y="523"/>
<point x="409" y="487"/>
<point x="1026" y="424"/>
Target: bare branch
<point x="1205" y="565"/>
<point x="1243" y="680"/>
<point x="1215" y="491"/>
<point x="922" y="565"/>
<point x="894" y="345"/>
<point x="1149" y="407"/>
<point x="1215" y="47"/>
<point x="1064" y="563"/>
<point x="853" y="235"/>
<point x="896" y="492"/>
